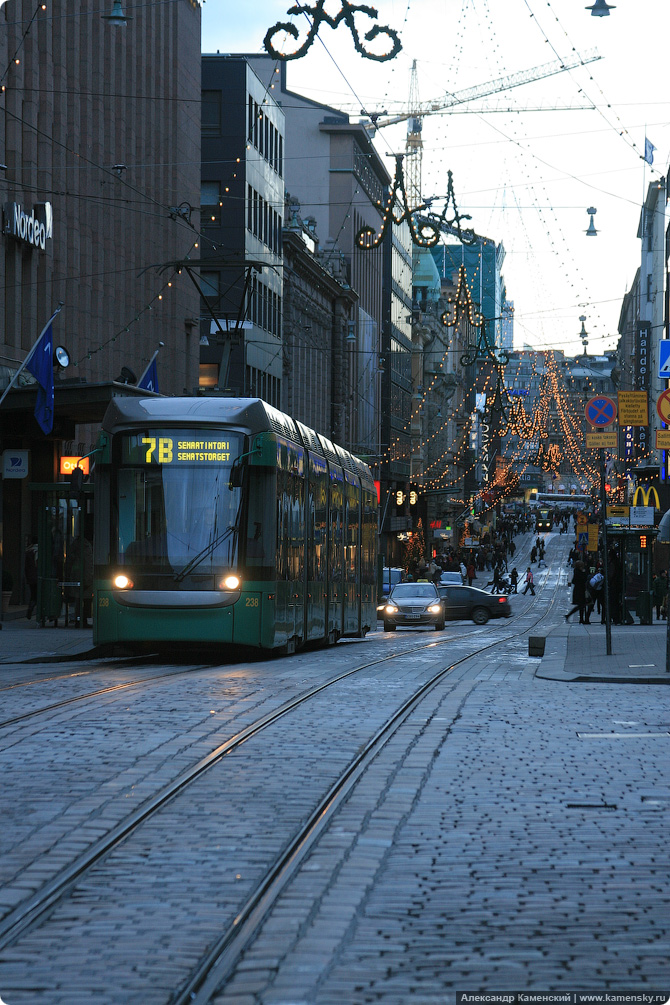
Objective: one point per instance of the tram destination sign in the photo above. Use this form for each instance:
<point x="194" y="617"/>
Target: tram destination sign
<point x="191" y="447"/>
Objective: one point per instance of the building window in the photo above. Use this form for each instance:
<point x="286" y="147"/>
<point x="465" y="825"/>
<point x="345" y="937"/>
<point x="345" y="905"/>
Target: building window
<point x="210" y="203"/>
<point x="211" y="113"/>
<point x="210" y="283"/>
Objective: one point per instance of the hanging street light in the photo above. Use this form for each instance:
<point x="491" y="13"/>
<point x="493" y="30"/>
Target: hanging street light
<point x="601" y="8"/>
<point x="592" y="232"/>
<point x="584" y="335"/>
<point x="117" y="17"/>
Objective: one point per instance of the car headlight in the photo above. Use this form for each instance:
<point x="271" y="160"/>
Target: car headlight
<point x="122" y="582"/>
<point x="230" y="583"/>
<point x="435" y="608"/>
<point x="391" y="609"/>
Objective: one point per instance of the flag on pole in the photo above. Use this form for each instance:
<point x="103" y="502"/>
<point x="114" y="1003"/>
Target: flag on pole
<point x="649" y="151"/>
<point x="40" y="364"/>
<point x="149" y="379"/>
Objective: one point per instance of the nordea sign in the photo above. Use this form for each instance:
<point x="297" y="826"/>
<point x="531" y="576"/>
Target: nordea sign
<point x="35" y="229"/>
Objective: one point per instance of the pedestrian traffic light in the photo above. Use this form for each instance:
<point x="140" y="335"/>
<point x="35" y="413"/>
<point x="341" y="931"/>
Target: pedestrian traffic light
<point x="643" y="540"/>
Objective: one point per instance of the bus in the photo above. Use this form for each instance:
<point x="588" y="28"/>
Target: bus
<point x="224" y="521"/>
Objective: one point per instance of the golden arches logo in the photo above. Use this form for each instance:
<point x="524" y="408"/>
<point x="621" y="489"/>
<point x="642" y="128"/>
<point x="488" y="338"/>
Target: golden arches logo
<point x="646" y="495"/>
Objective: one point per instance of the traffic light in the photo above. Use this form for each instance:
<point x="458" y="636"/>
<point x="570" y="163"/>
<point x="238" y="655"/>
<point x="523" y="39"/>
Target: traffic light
<point x="643" y="541"/>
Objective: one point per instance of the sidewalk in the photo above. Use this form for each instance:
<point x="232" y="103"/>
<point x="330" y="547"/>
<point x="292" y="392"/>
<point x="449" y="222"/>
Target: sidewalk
<point x="21" y="640"/>
<point x="575" y="652"/>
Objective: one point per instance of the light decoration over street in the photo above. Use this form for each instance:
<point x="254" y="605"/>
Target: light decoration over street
<point x="319" y="15"/>
<point x="463" y="308"/>
<point x="425" y="230"/>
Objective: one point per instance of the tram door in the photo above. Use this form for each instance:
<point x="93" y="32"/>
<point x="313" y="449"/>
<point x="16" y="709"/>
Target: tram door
<point x="317" y="548"/>
<point x="290" y="596"/>
<point x="352" y="555"/>
<point x="336" y="530"/>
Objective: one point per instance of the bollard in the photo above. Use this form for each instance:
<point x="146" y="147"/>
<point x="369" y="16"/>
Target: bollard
<point x="536" y="645"/>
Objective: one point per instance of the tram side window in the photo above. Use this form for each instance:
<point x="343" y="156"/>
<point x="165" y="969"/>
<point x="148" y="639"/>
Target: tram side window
<point x="260" y="521"/>
<point x="297" y="524"/>
<point x="282" y="524"/>
<point x="290" y="526"/>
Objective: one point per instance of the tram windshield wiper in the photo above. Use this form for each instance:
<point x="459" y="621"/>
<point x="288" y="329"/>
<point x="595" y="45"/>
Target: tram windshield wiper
<point x="205" y="553"/>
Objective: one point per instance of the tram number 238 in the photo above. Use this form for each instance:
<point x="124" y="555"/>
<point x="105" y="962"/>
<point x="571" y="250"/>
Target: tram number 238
<point x="251" y="602"/>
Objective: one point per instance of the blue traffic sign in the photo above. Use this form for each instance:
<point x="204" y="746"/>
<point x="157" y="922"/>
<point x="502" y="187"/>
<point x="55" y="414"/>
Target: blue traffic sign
<point x="664" y="359"/>
<point x="600" y="411"/>
<point x="583" y="538"/>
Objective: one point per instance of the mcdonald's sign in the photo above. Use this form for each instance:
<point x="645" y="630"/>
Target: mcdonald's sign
<point x="646" y="495"/>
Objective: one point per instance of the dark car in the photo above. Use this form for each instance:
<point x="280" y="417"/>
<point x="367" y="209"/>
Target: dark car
<point x="412" y="604"/>
<point x="468" y="602"/>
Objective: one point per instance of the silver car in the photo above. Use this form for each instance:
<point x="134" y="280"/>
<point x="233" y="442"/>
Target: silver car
<point x="413" y="604"/>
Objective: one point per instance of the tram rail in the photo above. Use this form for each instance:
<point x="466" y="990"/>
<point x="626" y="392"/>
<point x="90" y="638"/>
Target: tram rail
<point x="54" y="706"/>
<point x="29" y="912"/>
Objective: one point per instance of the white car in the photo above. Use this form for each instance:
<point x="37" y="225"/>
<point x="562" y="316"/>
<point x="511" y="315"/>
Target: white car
<point x="451" y="579"/>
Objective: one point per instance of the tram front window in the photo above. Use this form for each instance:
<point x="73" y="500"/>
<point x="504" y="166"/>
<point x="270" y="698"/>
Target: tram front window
<point x="177" y="515"/>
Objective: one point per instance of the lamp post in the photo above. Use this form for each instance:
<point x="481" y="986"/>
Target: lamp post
<point x="606" y="585"/>
<point x="663" y="537"/>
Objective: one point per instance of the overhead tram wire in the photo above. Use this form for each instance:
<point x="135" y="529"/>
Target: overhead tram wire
<point x="623" y="132"/>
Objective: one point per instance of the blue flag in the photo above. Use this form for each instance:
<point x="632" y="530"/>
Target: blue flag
<point x="40" y="364"/>
<point x="149" y="379"/>
<point x="649" y="151"/>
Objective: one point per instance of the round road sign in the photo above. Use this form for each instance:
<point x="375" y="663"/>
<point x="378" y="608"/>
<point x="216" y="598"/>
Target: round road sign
<point x="663" y="407"/>
<point x="600" y="411"/>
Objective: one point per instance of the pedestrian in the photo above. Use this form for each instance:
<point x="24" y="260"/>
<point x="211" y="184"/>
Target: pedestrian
<point x="529" y="582"/>
<point x="471" y="572"/>
<point x="514" y="579"/>
<point x="533" y="554"/>
<point x="30" y="570"/>
<point x="659" y="590"/>
<point x="579" y="582"/>
<point x="512" y="549"/>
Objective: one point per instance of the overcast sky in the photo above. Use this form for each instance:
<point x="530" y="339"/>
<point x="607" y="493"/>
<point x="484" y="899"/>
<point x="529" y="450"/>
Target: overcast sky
<point x="526" y="177"/>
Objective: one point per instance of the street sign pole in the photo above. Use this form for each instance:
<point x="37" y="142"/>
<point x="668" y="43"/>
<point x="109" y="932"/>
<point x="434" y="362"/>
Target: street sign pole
<point x="606" y="585"/>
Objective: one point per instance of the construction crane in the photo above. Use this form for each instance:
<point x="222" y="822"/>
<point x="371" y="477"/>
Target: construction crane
<point x="417" y="110"/>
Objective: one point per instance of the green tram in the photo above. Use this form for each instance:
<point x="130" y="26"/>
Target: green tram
<point x="222" y="520"/>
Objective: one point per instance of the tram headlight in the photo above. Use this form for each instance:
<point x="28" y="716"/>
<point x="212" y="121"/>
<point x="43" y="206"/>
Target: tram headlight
<point x="434" y="609"/>
<point x="230" y="583"/>
<point x="391" y="609"/>
<point x="123" y="582"/>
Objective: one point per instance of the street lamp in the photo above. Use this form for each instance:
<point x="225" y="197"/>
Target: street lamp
<point x="117" y="17"/>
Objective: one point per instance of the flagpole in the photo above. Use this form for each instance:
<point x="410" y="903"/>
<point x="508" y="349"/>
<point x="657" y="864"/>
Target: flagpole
<point x="148" y="366"/>
<point x="27" y="359"/>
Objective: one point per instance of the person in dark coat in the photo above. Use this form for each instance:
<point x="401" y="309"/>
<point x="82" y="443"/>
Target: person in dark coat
<point x="30" y="570"/>
<point x="579" y="599"/>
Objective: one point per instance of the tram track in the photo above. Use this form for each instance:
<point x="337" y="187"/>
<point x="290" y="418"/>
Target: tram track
<point x="223" y="955"/>
<point x="29" y="912"/>
<point x="63" y="703"/>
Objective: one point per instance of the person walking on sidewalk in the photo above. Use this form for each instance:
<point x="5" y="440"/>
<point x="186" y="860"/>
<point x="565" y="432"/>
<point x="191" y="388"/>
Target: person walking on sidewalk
<point x="579" y="578"/>
<point x="659" y="589"/>
<point x="514" y="579"/>
<point x="529" y="582"/>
